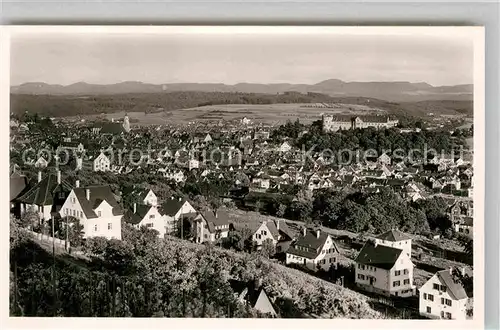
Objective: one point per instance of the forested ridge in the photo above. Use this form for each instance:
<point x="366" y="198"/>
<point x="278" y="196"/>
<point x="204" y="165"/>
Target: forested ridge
<point x="70" y="105"/>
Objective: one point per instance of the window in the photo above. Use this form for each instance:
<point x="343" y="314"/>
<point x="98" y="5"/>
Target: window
<point x="448" y="316"/>
<point x="407" y="281"/>
<point x="442" y="301"/>
<point x="95" y="227"/>
<point x="442" y="288"/>
<point x="361" y="276"/>
<point x="396" y="283"/>
<point x="81" y="214"/>
<point x="99" y="213"/>
<point x="435" y="286"/>
<point x="110" y="226"/>
<point x="430" y="297"/>
<point x="442" y="314"/>
<point x="151" y="216"/>
<point x="425" y="296"/>
<point x="149" y="225"/>
<point x="397" y="273"/>
<point x="405" y="271"/>
<point x="448" y="302"/>
<point x="428" y="309"/>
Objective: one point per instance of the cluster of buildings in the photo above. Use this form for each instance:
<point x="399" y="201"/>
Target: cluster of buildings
<point x="253" y="159"/>
<point x="333" y="123"/>
<point x="384" y="266"/>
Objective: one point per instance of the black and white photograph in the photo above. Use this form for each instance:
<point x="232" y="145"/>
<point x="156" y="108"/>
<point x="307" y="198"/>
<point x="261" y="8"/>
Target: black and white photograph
<point x="246" y="172"/>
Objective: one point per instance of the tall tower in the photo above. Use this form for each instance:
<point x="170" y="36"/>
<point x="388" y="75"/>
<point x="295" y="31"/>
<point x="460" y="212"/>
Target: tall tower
<point x="126" y="123"/>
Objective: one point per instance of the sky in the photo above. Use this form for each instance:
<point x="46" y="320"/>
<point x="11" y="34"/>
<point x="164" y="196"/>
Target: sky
<point x="180" y="58"/>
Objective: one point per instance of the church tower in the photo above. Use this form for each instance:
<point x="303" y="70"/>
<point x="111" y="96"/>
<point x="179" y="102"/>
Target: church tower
<point x="126" y="124"/>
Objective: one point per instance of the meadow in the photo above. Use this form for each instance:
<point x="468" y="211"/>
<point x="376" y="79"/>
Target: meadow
<point x="269" y="114"/>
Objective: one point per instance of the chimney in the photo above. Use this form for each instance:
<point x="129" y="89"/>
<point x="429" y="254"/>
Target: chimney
<point x="135" y="207"/>
<point x="375" y="242"/>
<point x="77" y="183"/>
<point x="318" y="232"/>
<point x="58" y="177"/>
<point x="39" y="176"/>
<point x="451" y="270"/>
<point x="462" y="271"/>
<point x="87" y="193"/>
<point x="304" y="231"/>
<point x="278" y="224"/>
<point x="172" y="197"/>
<point x="180" y="199"/>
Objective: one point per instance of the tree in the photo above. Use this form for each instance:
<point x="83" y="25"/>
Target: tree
<point x="234" y="240"/>
<point x="258" y="206"/>
<point x="29" y="219"/>
<point x="467" y="244"/>
<point x="72" y="230"/>
<point x="17" y="235"/>
<point x="268" y="248"/>
<point x="95" y="246"/>
<point x="281" y="210"/>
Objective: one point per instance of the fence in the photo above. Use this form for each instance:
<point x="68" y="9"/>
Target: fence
<point x="46" y="238"/>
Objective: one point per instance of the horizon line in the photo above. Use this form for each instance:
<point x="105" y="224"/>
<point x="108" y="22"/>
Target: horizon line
<point x="233" y="84"/>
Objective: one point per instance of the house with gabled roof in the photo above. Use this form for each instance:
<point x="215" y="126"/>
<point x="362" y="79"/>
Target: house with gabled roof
<point x="395" y="238"/>
<point x="173" y="210"/>
<point x="384" y="159"/>
<point x="444" y="297"/>
<point x="18" y="185"/>
<point x="98" y="210"/>
<point x="275" y="230"/>
<point x="46" y="197"/>
<point x="314" y="249"/>
<point x="41" y="162"/>
<point x="254" y="295"/>
<point x="210" y="226"/>
<point x="143" y="196"/>
<point x="146" y="215"/>
<point x="384" y="270"/>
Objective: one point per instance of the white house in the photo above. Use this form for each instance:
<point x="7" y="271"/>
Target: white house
<point x="41" y="162"/>
<point x="441" y="297"/>
<point x="285" y="147"/>
<point x="97" y="209"/>
<point x="146" y="215"/>
<point x="277" y="231"/>
<point x="396" y="239"/>
<point x="385" y="270"/>
<point x="313" y="249"/>
<point x="101" y="163"/>
<point x="465" y="225"/>
<point x="143" y="196"/>
<point x="384" y="159"/>
<point x="207" y="138"/>
<point x="172" y="210"/>
<point x="210" y="227"/>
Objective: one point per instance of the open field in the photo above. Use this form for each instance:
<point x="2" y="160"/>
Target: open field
<point x="266" y="114"/>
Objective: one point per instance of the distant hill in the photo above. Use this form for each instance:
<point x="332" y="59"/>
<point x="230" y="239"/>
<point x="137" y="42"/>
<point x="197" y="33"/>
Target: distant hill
<point x="389" y="91"/>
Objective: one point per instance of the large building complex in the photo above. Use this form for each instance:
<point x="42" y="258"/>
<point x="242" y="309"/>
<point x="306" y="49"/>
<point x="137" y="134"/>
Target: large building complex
<point x="333" y="123"/>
